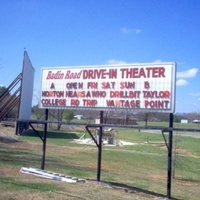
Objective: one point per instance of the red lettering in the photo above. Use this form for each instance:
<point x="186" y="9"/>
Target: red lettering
<point x="88" y="102"/>
<point x="80" y="93"/>
<point x="156" y="94"/>
<point x="142" y="73"/>
<point x="73" y="75"/>
<point x="92" y="85"/>
<point x="99" y="73"/>
<point x="146" y="85"/>
<point x="53" y="94"/>
<point x="127" y="85"/>
<point x="161" y="72"/>
<point x="57" y="75"/>
<point x="156" y="104"/>
<point x="94" y="74"/>
<point x="75" y="102"/>
<point x="123" y="103"/>
<point x="98" y="94"/>
<point x="52" y="86"/>
<point x="149" y="72"/>
<point x="53" y="102"/>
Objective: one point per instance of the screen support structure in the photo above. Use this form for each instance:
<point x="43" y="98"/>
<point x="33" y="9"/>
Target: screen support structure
<point x="100" y="147"/>
<point x="98" y="142"/>
<point x="169" y="150"/>
<point x="169" y="147"/>
<point x="44" y="139"/>
<point x="169" y="171"/>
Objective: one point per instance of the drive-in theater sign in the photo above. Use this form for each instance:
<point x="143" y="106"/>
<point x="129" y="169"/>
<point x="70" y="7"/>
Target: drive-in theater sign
<point x="149" y="87"/>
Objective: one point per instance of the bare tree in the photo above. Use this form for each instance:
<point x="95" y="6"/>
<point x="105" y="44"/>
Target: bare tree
<point x="58" y="116"/>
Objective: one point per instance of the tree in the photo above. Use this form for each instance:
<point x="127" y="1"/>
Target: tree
<point x="68" y="115"/>
<point x="58" y="115"/>
<point x="39" y="113"/>
<point x="144" y="116"/>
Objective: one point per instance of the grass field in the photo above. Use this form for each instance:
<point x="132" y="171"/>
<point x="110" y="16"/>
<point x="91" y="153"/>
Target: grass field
<point x="137" y="171"/>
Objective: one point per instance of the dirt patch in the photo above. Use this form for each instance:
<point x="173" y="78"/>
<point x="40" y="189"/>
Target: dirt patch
<point x="158" y="177"/>
<point x="71" y="150"/>
<point x="7" y="135"/>
<point x="8" y="139"/>
<point x="184" y="152"/>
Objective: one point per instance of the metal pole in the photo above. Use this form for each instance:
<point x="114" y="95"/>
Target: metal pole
<point x="44" y="139"/>
<point x="169" y="171"/>
<point x="17" y="128"/>
<point x="100" y="147"/>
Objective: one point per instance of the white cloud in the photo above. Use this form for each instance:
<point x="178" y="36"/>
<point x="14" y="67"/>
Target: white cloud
<point x="195" y="104"/>
<point x="113" y="61"/>
<point x="130" y="30"/>
<point x="188" y="73"/>
<point x="195" y="94"/>
<point x="157" y="61"/>
<point x="181" y="82"/>
<point x="137" y="31"/>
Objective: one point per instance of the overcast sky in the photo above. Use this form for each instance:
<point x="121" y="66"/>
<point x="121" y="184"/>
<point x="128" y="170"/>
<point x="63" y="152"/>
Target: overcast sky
<point x="98" y="32"/>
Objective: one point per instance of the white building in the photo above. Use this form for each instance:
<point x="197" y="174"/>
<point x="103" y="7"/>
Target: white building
<point x="78" y="116"/>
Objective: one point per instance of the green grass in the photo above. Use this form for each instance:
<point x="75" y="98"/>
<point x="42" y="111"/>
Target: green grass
<point x="142" y="166"/>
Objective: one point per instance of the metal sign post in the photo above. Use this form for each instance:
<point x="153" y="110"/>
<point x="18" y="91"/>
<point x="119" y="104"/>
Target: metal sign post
<point x="100" y="147"/>
<point x="169" y="171"/>
<point x="44" y="139"/>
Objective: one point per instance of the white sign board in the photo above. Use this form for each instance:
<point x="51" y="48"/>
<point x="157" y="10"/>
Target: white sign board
<point x="26" y="88"/>
<point x="148" y="87"/>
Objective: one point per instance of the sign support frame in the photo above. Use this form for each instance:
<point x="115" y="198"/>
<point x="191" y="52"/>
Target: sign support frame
<point x="100" y="148"/>
<point x="170" y="147"/>
<point x="44" y="139"/>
